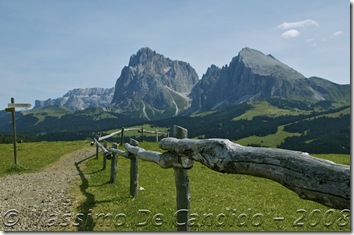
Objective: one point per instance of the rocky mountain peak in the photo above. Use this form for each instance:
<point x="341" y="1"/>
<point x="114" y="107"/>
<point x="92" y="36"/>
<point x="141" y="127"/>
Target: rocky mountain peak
<point x="254" y="75"/>
<point x="153" y="86"/>
<point x="265" y="65"/>
<point x="212" y="70"/>
<point x="143" y="56"/>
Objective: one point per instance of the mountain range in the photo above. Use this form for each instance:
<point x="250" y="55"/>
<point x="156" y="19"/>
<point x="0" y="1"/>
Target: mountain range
<point x="254" y="100"/>
<point x="80" y="99"/>
<point x="252" y="75"/>
<point x="153" y="86"/>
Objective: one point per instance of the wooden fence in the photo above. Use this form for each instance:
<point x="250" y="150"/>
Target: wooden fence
<point x="140" y="130"/>
<point x="310" y="178"/>
<point x="121" y="133"/>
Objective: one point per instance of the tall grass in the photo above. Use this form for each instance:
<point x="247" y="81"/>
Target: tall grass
<point x="219" y="202"/>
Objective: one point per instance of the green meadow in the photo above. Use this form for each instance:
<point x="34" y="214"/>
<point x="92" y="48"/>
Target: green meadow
<point x="34" y="156"/>
<point x="272" y="140"/>
<point x="219" y="202"/>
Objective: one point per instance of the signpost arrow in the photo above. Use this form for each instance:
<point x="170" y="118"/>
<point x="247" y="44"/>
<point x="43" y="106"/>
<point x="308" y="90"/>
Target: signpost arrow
<point x="10" y="110"/>
<point x="18" y="105"/>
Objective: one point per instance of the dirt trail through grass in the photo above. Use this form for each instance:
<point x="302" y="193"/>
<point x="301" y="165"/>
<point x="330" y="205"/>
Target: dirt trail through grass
<point x="40" y="201"/>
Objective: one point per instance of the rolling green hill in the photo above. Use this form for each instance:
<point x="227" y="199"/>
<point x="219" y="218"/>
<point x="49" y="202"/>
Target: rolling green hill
<point x="267" y="123"/>
<point x="56" y="123"/>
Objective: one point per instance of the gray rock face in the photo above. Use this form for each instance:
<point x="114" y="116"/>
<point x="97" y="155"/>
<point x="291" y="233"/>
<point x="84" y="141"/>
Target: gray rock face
<point x="81" y="98"/>
<point x="253" y="75"/>
<point x="153" y="86"/>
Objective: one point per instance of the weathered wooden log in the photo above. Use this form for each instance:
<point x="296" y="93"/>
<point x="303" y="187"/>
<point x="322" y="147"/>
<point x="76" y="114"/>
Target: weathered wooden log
<point x="122" y="136"/>
<point x="142" y="134"/>
<point x="183" y="196"/>
<point x="156" y="132"/>
<point x="311" y="178"/>
<point x="95" y="141"/>
<point x="120" y="152"/>
<point x="109" y="135"/>
<point x="116" y="133"/>
<point x="104" y="163"/>
<point x="157" y="135"/>
<point x="114" y="165"/>
<point x="134" y="174"/>
<point x="106" y="153"/>
<point x="165" y="160"/>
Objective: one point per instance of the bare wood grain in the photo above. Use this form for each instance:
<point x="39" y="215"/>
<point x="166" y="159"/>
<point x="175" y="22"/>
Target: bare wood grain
<point x="311" y="178"/>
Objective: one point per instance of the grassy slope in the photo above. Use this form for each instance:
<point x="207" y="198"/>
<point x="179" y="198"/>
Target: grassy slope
<point x="52" y="111"/>
<point x="261" y="108"/>
<point x="34" y="156"/>
<point x="212" y="193"/>
<point x="273" y="140"/>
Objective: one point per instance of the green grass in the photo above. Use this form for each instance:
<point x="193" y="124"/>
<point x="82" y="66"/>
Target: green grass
<point x="272" y="140"/>
<point x="219" y="202"/>
<point x="337" y="158"/>
<point x="34" y="156"/>
<point x="103" y="115"/>
<point x="52" y="111"/>
<point x="203" y="114"/>
<point x="337" y="114"/>
<point x="261" y="108"/>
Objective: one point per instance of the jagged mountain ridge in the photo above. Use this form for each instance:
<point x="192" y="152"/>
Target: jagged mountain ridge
<point x="254" y="75"/>
<point x="153" y="86"/>
<point x="80" y="99"/>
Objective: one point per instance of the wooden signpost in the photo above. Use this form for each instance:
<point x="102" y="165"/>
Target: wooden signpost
<point x="11" y="108"/>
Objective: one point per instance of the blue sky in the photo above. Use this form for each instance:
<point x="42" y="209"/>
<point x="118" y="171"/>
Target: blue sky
<point x="48" y="47"/>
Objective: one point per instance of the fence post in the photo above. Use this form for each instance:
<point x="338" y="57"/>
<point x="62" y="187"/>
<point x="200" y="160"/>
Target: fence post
<point x="134" y="175"/>
<point x="142" y="134"/>
<point x="157" y="135"/>
<point x="97" y="138"/>
<point x="122" y="136"/>
<point x="114" y="164"/>
<point x="182" y="187"/>
<point x="104" y="157"/>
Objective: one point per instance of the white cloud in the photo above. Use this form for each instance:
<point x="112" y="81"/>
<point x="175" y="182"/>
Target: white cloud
<point x="336" y="34"/>
<point x="298" y="24"/>
<point x="292" y="33"/>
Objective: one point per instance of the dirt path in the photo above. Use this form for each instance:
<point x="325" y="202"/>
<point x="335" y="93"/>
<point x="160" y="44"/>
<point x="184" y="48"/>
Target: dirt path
<point x="40" y="201"/>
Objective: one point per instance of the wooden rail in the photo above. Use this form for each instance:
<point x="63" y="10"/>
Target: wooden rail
<point x="117" y="133"/>
<point x="310" y="178"/>
<point x="140" y="130"/>
<point x="121" y="132"/>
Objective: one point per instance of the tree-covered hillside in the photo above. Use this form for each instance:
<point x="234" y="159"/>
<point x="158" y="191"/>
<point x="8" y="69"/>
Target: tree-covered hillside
<point x="323" y="127"/>
<point x="319" y="124"/>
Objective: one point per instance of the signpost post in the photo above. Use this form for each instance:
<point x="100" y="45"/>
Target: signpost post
<point x="11" y="108"/>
